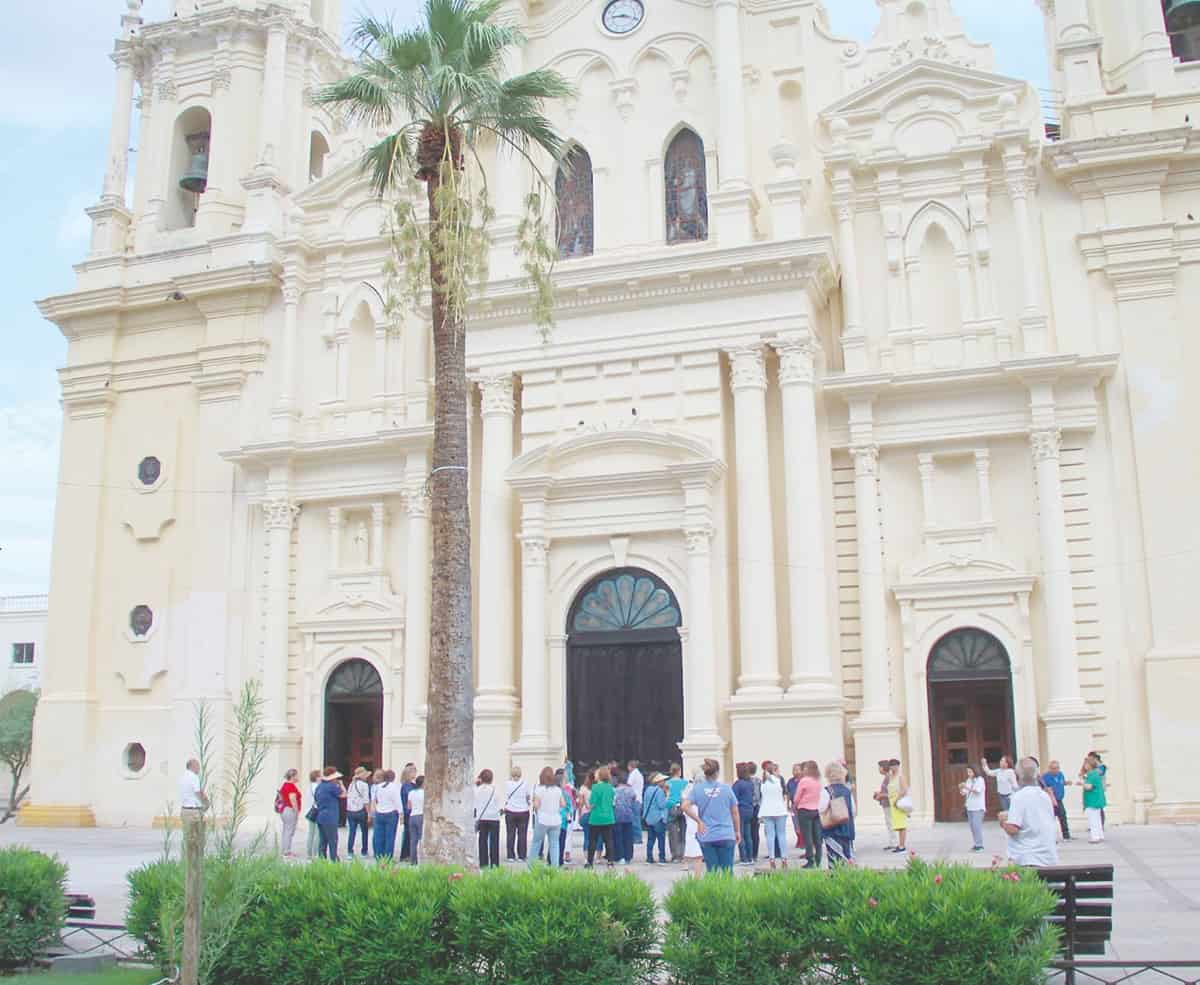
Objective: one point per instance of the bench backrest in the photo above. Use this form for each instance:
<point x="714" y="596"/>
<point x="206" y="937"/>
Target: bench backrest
<point x="1084" y="910"/>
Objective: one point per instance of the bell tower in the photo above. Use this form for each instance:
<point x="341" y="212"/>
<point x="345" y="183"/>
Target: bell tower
<point x="224" y="129"/>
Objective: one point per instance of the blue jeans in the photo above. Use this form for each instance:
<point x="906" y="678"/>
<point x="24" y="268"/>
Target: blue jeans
<point x="356" y="821"/>
<point x="563" y="831"/>
<point x="746" y="847"/>
<point x="385" y="834"/>
<point x="544" y="833"/>
<point x="777" y="836"/>
<point x="718" y="855"/>
<point x="623" y="835"/>
<point x="416" y="828"/>
<point x="636" y="832"/>
<point x="585" y="822"/>
<point x="329" y="839"/>
<point x="656" y="833"/>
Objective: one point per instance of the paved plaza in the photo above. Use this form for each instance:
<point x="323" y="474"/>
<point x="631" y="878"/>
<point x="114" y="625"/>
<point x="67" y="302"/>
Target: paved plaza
<point x="1156" y="912"/>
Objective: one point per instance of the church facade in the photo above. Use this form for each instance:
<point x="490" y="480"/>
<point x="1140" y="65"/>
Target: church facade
<point x="864" y="428"/>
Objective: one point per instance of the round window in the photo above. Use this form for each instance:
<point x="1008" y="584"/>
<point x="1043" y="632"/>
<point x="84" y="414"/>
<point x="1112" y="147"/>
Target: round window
<point x="135" y="757"/>
<point x="141" y="618"/>
<point x="149" y="469"/>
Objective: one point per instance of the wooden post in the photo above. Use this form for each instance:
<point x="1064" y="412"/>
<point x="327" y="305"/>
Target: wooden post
<point x="193" y="893"/>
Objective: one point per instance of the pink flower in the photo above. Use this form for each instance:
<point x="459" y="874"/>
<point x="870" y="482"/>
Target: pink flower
<point x="937" y="880"/>
<point x="872" y="902"/>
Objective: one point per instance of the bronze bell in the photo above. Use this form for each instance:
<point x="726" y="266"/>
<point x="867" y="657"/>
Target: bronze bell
<point x="195" y="175"/>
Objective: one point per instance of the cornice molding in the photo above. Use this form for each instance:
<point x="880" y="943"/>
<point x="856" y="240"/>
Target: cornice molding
<point x="1076" y="158"/>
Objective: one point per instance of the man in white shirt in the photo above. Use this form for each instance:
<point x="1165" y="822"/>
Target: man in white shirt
<point x="1030" y="823"/>
<point x="191" y="793"/>
<point x="637" y="783"/>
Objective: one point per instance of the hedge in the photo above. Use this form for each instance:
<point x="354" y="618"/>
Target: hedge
<point x="543" y="927"/>
<point x="33" y="905"/>
<point x="365" y="924"/>
<point x="923" y="925"/>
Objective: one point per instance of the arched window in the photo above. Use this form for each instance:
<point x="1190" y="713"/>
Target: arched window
<point x="968" y="654"/>
<point x="686" y="189"/>
<point x="1183" y="27"/>
<point x="574" y="204"/>
<point x="318" y="149"/>
<point x="626" y="601"/>
<point x="354" y="680"/>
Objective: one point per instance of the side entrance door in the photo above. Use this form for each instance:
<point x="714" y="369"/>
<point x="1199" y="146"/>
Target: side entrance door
<point x="972" y="720"/>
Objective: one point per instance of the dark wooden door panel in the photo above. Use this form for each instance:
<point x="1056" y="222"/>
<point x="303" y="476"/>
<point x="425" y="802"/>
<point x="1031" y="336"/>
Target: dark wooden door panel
<point x="968" y="721"/>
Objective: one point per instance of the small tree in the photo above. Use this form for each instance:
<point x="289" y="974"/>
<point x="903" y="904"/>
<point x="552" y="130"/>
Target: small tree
<point x="16" y="744"/>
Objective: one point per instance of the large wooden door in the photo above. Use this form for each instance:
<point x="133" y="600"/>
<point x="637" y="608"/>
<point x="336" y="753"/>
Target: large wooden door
<point x="624" y="672"/>
<point x="971" y="720"/>
<point x="354" y="717"/>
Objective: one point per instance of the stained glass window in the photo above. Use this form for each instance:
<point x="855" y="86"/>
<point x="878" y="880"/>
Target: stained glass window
<point x="149" y="469"/>
<point x="627" y="601"/>
<point x="141" y="618"/>
<point x="575" y="204"/>
<point x="353" y="680"/>
<point x="968" y="654"/>
<point x="687" y="198"/>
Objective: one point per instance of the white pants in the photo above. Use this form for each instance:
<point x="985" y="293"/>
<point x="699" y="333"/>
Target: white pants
<point x="1095" y="825"/>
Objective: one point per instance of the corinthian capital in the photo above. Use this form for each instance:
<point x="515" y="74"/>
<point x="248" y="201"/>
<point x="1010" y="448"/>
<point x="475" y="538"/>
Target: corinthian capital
<point x="866" y="460"/>
<point x="1046" y="443"/>
<point x="416" y="502"/>
<point x="699" y="538"/>
<point x="533" y="550"/>
<point x="496" y="394"/>
<point x="797" y="359"/>
<point x="279" y="514"/>
<point x="746" y="367"/>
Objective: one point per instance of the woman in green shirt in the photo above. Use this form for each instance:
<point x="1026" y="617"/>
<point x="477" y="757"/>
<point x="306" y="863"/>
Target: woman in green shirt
<point x="1094" y="800"/>
<point x="602" y="818"/>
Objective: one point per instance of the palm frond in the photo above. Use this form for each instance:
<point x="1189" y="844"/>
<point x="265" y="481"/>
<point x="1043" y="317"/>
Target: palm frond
<point x="362" y="97"/>
<point x="390" y="160"/>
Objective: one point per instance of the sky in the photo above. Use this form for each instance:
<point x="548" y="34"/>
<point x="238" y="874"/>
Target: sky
<point x="53" y="137"/>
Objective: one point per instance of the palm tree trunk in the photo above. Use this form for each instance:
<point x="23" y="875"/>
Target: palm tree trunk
<point x="449" y="731"/>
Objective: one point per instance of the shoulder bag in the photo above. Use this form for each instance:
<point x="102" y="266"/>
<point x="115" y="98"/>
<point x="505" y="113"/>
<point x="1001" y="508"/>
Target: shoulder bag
<point x="837" y="813"/>
<point x="485" y="808"/>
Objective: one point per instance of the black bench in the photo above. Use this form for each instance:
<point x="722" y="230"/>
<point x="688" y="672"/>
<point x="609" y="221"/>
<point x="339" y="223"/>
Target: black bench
<point x="1084" y="911"/>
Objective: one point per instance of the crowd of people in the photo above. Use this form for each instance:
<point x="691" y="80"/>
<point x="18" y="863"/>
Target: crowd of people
<point x="701" y="821"/>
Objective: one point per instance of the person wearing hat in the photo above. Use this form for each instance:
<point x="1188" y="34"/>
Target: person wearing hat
<point x="654" y="816"/>
<point x="358" y="796"/>
<point x="327" y="799"/>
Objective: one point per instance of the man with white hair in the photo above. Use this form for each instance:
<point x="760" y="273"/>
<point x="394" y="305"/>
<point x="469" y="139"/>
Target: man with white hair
<point x="1029" y="822"/>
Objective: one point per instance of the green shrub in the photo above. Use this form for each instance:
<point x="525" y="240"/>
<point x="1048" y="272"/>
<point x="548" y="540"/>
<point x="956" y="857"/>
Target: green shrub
<point x="546" y="926"/>
<point x="923" y="925"/>
<point x="33" y="907"/>
<point x="270" y="921"/>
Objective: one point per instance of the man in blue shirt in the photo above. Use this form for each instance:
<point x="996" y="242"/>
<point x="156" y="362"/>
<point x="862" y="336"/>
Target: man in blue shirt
<point x="1056" y="782"/>
<point x="714" y="808"/>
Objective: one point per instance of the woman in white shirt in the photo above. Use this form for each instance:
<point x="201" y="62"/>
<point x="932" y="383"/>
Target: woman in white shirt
<point x="974" y="792"/>
<point x="388" y="809"/>
<point x="1006" y="780"/>
<point x="516" y="815"/>
<point x="691" y="843"/>
<point x="547" y="816"/>
<point x="773" y="813"/>
<point x="487" y="820"/>
<point x="416" y="817"/>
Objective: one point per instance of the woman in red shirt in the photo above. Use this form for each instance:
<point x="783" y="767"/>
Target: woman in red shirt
<point x="287" y="803"/>
<point x="808" y="816"/>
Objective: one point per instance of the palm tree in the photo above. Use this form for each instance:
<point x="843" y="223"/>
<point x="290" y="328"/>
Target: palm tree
<point x="438" y="90"/>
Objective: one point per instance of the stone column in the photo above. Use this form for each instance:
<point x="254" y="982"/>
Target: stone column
<point x="812" y="685"/>
<point x="757" y="630"/>
<point x="733" y="202"/>
<point x="278" y="516"/>
<point x="876" y="729"/>
<point x="118" y="136"/>
<point x="1066" y="716"/>
<point x="285" y="412"/>
<point x="1033" y="318"/>
<point x="701" y="736"/>
<point x="416" y="608"/>
<point x="531" y="749"/>
<point x="378" y="523"/>
<point x="335" y="538"/>
<point x="264" y="185"/>
<point x="854" y="343"/>
<point x="495" y="695"/>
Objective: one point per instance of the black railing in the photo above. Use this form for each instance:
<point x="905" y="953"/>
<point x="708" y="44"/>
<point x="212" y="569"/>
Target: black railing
<point x="1100" y="972"/>
<point x="103" y="939"/>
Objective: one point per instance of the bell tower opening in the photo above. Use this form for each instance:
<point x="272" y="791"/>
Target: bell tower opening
<point x="188" y="169"/>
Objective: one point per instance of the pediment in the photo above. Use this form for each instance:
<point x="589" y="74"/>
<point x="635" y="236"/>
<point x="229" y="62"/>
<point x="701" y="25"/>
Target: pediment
<point x="602" y="450"/>
<point x="962" y="569"/>
<point x="922" y="75"/>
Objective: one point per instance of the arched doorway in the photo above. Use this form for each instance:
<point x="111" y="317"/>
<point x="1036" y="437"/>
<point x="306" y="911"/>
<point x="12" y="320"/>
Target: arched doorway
<point x="624" y="672"/>
<point x="970" y="713"/>
<point x="354" y="717"/>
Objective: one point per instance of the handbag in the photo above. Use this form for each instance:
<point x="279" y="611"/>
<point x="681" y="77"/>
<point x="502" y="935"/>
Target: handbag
<point x="905" y="804"/>
<point x="312" y="814"/>
<point x="836" y="813"/>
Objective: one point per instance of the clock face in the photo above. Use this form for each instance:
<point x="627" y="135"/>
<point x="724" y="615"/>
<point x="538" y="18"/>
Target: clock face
<point x="622" y="16"/>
